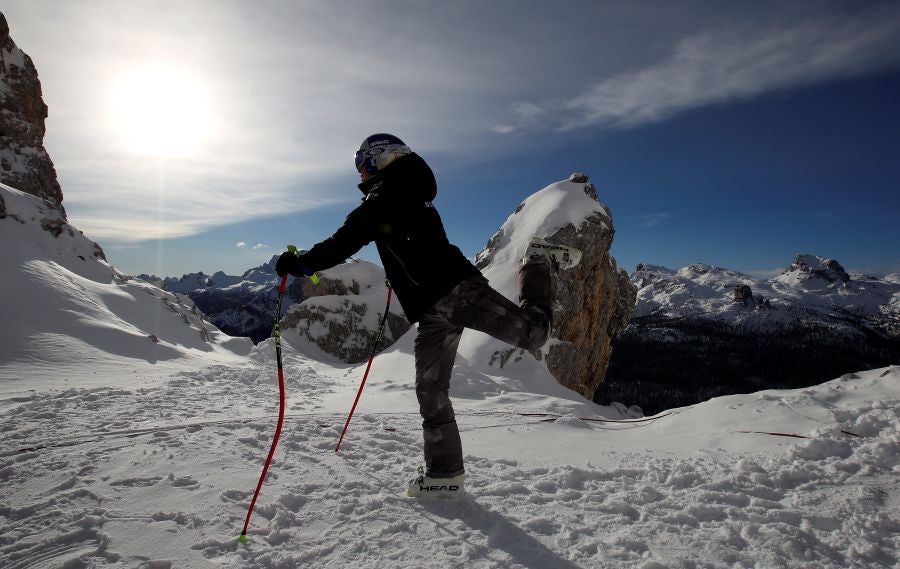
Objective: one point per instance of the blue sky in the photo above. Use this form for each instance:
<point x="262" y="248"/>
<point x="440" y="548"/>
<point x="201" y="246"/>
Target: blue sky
<point x="207" y="135"/>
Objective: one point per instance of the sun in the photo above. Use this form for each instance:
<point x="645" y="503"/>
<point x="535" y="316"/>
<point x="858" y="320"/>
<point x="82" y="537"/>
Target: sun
<point x="161" y="110"/>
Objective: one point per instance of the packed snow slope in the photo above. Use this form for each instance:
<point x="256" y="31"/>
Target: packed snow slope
<point x="69" y="315"/>
<point x="123" y="452"/>
<point x="161" y="476"/>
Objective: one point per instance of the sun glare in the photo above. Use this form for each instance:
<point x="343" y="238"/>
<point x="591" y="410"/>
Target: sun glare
<point x="161" y="110"/>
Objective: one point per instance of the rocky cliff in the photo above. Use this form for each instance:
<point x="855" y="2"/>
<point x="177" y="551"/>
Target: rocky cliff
<point x="24" y="162"/>
<point x="594" y="300"/>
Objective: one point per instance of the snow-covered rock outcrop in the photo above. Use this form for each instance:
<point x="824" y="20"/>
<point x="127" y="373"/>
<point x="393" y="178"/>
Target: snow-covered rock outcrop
<point x="342" y="314"/>
<point x="24" y="162"/>
<point x="336" y="318"/>
<point x="594" y="300"/>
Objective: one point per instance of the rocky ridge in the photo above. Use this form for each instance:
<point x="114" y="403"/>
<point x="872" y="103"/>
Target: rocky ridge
<point x="24" y="162"/>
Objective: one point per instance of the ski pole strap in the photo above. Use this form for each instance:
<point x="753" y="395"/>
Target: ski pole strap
<point x="293" y="249"/>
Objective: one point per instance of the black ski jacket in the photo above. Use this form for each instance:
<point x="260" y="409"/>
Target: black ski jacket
<point x="397" y="214"/>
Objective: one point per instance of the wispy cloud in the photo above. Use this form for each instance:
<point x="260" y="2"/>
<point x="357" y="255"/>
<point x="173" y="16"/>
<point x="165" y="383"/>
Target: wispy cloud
<point x="291" y="99"/>
<point x="654" y="219"/>
<point x="820" y="215"/>
<point x="728" y="64"/>
<point x="135" y="200"/>
<point x="260" y="246"/>
<point x="240" y="244"/>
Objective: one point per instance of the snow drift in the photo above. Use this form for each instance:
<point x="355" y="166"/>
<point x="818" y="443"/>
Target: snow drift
<point x="65" y="306"/>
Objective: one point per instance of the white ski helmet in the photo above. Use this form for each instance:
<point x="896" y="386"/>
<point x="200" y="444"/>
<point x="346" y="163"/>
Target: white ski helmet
<point x="379" y="150"/>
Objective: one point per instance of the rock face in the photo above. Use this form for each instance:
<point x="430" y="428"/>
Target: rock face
<point x="808" y="267"/>
<point x="594" y="303"/>
<point x="743" y="294"/>
<point x="341" y="314"/>
<point x="24" y="162"/>
<point x="594" y="300"/>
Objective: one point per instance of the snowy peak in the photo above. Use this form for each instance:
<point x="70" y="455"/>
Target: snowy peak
<point x="698" y="288"/>
<point x="186" y="283"/>
<point x="812" y="267"/>
<point x="261" y="275"/>
<point x="712" y="274"/>
<point x="252" y="279"/>
<point x="702" y="331"/>
<point x="544" y="213"/>
<point x="810" y="283"/>
<point x="36" y="228"/>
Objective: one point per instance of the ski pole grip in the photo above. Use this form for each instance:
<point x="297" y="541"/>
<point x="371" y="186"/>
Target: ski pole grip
<point x="293" y="249"/>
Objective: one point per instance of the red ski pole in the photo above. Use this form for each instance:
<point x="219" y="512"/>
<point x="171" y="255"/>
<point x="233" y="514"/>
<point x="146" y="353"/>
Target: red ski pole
<point x="368" y="366"/>
<point x="276" y="332"/>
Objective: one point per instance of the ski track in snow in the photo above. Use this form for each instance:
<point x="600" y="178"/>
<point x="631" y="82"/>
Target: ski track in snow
<point x="118" y="476"/>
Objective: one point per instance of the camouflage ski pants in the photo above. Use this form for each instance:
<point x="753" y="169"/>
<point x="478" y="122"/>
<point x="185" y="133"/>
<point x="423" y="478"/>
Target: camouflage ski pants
<point x="472" y="304"/>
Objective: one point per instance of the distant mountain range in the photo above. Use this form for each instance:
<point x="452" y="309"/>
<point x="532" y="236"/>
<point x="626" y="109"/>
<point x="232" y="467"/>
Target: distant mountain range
<point x="703" y="331"/>
<point x="241" y="304"/>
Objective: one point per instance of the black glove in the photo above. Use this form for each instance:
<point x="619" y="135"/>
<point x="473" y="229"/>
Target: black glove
<point x="291" y="264"/>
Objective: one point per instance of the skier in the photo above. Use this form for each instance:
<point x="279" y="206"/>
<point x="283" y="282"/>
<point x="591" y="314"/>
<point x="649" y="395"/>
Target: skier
<point x="437" y="286"/>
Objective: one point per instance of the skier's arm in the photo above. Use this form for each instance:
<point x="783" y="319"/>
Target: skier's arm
<point x="356" y="233"/>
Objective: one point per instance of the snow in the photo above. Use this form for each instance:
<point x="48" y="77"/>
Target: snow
<point x="12" y="55"/>
<point x="540" y="215"/>
<point x="708" y="291"/>
<point x="124" y="452"/>
<point x="543" y="213"/>
<point x="69" y="306"/>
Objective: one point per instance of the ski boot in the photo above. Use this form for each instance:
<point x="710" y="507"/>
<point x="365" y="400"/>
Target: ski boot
<point x="559" y="256"/>
<point x="424" y="486"/>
